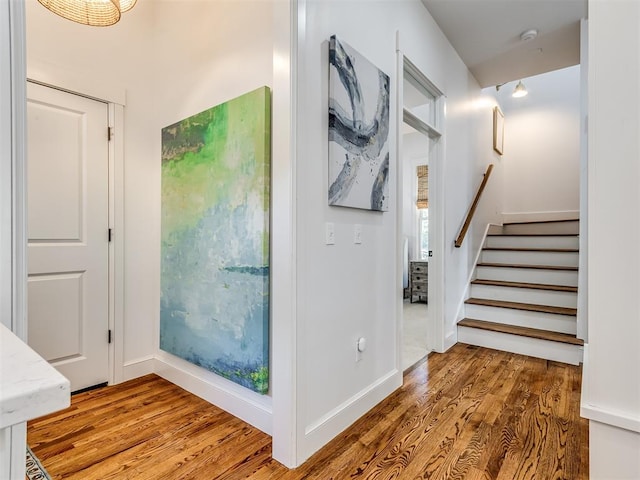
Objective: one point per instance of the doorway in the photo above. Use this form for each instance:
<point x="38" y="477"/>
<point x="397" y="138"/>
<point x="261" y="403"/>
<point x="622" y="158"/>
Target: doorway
<point x="421" y="214"/>
<point x="68" y="233"/>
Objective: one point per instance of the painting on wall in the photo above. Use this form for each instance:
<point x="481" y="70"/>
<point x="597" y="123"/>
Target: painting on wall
<point x="216" y="173"/>
<point x="358" y="130"/>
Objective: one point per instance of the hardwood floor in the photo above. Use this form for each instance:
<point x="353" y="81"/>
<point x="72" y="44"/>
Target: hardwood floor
<point x="472" y="413"/>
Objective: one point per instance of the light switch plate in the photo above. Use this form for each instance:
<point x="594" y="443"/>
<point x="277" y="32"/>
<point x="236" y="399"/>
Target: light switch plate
<point x="357" y="233"/>
<point x="330" y="233"/>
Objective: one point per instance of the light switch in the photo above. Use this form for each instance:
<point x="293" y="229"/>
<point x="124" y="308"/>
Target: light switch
<point x="357" y="233"/>
<point x="330" y="233"/>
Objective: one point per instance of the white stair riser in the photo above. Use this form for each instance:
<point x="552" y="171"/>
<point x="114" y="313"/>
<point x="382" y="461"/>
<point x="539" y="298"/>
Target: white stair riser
<point x="565" y="259"/>
<point x="522" y="318"/>
<point x="525" y="295"/>
<point x="504" y="241"/>
<point x="529" y="275"/>
<point x="559" y="352"/>
<point x="558" y="228"/>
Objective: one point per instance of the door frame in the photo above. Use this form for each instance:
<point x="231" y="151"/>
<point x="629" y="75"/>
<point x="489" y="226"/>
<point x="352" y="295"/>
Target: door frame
<point x="436" y="288"/>
<point x="116" y="213"/>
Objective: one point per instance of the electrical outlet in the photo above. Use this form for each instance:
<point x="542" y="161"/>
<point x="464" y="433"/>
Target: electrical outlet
<point x="330" y="234"/>
<point x="361" y="346"/>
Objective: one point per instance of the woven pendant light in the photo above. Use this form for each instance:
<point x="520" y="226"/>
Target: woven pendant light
<point x="97" y="13"/>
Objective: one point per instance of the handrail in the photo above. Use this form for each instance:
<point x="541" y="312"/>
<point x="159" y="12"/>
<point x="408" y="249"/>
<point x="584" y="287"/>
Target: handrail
<point x="474" y="205"/>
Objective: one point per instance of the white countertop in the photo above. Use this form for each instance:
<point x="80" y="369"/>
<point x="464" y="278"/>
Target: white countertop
<point x="29" y="386"/>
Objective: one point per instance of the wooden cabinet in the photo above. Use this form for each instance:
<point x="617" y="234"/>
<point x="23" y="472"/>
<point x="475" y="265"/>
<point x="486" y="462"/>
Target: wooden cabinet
<point x="419" y="281"/>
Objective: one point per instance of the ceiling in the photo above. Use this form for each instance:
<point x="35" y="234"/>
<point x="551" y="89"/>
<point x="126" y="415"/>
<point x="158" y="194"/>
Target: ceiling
<point x="486" y="35"/>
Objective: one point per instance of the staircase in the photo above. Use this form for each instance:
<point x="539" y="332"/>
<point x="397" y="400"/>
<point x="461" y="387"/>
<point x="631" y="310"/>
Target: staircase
<point x="524" y="295"/>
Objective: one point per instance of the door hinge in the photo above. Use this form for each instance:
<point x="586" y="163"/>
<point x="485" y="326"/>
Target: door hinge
<point x="109" y="133"/>
<point x="430" y="253"/>
<point x="109" y="336"/>
<point x="109" y="234"/>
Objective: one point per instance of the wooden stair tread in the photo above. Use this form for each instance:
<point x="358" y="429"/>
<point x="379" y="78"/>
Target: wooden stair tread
<point x="541" y="222"/>
<point x="532" y="234"/>
<point x="537" y="267"/>
<point x="521" y="331"/>
<point x="524" y="249"/>
<point x="530" y="307"/>
<point x="535" y="286"/>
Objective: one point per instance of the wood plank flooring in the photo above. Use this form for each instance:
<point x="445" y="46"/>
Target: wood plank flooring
<point x="471" y="413"/>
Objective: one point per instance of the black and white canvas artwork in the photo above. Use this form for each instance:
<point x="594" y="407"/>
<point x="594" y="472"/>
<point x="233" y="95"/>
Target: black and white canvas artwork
<point x="358" y="130"/>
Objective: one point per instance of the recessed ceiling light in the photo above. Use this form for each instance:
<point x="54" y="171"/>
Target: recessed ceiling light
<point x="529" y="35"/>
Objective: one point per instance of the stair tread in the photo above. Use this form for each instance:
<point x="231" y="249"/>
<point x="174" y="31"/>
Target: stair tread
<point x="535" y="286"/>
<point x="522" y="306"/>
<point x="538" y="267"/>
<point x="541" y="221"/>
<point x="525" y="249"/>
<point x="521" y="331"/>
<point x="501" y="234"/>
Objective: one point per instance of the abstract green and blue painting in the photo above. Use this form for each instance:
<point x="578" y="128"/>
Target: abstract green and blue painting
<point x="216" y="174"/>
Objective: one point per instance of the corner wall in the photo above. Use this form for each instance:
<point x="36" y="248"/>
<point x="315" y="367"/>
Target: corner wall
<point x="542" y="146"/>
<point x="611" y="385"/>
<point x="347" y="291"/>
<point x="165" y="60"/>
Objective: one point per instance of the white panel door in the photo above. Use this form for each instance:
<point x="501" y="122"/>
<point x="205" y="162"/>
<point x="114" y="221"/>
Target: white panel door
<point x="67" y="228"/>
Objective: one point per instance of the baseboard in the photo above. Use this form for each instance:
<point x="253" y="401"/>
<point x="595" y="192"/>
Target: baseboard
<point x="601" y="414"/>
<point x="451" y="339"/>
<point x="515" y="217"/>
<point x="321" y="431"/>
<point x="138" y="368"/>
<point x="253" y="408"/>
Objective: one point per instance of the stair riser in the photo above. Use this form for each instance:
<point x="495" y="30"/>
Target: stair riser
<point x="559" y="352"/>
<point x="523" y="318"/>
<point x="530" y="258"/>
<point x="525" y="295"/>
<point x="529" y="275"/>
<point x="499" y="241"/>
<point x="557" y="228"/>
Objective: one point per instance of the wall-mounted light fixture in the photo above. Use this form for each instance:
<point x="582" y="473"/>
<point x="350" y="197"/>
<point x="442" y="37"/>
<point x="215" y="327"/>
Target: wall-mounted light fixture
<point x="97" y="13"/>
<point x="519" y="91"/>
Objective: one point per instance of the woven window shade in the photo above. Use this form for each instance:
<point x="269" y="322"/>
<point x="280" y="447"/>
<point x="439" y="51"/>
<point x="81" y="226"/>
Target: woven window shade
<point x="423" y="186"/>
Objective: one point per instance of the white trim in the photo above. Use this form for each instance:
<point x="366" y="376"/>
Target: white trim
<point x="116" y="248"/>
<point x="435" y="327"/>
<point x="18" y="170"/>
<point x="6" y="160"/>
<point x="283" y="369"/>
<point x="515" y="217"/>
<point x="321" y="431"/>
<point x="50" y="75"/>
<point x="604" y="415"/>
<point x="18" y="448"/>
<point x="416" y="122"/>
<point x="399" y="207"/>
<point x="437" y="228"/>
<point x="622" y="420"/>
<point x="138" y="368"/>
<point x="583" y="267"/>
<point x="253" y="408"/>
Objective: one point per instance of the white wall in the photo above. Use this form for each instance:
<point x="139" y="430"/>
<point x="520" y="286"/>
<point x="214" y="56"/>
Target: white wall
<point x="542" y="144"/>
<point x="169" y="60"/>
<point x="346" y="291"/>
<point x="611" y="385"/>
